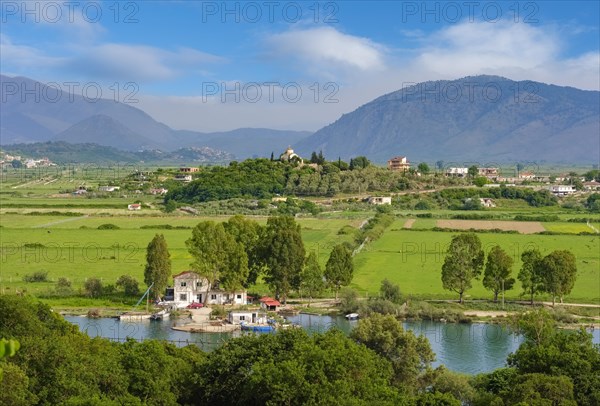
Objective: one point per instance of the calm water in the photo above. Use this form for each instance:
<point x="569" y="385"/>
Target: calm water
<point x="468" y="348"/>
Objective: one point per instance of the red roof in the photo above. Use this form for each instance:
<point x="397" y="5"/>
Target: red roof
<point x="269" y="301"/>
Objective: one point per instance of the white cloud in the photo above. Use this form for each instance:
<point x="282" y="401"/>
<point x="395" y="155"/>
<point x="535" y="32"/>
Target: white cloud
<point x="25" y="57"/>
<point x="328" y="49"/>
<point x="139" y="62"/>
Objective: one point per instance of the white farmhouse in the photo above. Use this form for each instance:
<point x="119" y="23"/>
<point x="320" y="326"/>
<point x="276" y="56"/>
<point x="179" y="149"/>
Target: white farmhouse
<point x="380" y="200"/>
<point x="562" y="190"/>
<point x="189" y="287"/>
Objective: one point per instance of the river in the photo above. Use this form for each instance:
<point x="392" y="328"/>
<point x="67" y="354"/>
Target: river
<point x="468" y="348"/>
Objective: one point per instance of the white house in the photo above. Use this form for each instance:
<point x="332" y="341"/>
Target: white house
<point x="247" y="316"/>
<point x="108" y="188"/>
<point x="380" y="200"/>
<point x="487" y="202"/>
<point x="593" y="185"/>
<point x="457" y="172"/>
<point x="562" y="190"/>
<point x="189" y="287"/>
<point x="183" y="178"/>
<point x="134" y="206"/>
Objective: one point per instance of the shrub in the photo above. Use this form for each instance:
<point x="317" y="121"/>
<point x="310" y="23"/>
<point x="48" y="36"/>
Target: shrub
<point x="128" y="284"/>
<point x="63" y="286"/>
<point x="422" y="205"/>
<point x="108" y="226"/>
<point x="348" y="300"/>
<point x="39" y="276"/>
<point x="93" y="287"/>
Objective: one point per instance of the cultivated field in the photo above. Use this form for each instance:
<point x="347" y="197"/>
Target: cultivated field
<point x="523" y="227"/>
<point x="413" y="259"/>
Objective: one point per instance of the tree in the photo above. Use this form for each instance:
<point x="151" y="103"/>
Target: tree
<point x="410" y="355"/>
<point x="529" y="275"/>
<point x="314" y="158"/>
<point x="463" y="262"/>
<point x="360" y="162"/>
<point x="218" y="256"/>
<point x="439" y="165"/>
<point x="311" y="279"/>
<point x="16" y="164"/>
<point x="282" y="250"/>
<point x="93" y="287"/>
<point x="63" y="286"/>
<point x="423" y="168"/>
<point x="473" y="171"/>
<point x="559" y="271"/>
<point x="248" y="233"/>
<point x="480" y="181"/>
<point x="497" y="272"/>
<point x="339" y="268"/>
<point x="390" y="291"/>
<point x="158" y="266"/>
<point x="129" y="285"/>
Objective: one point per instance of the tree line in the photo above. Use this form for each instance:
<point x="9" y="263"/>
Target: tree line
<point x="465" y="260"/>
<point x="234" y="254"/>
<point x="50" y="362"/>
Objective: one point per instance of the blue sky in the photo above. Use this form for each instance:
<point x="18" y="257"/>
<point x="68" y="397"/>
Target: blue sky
<point x="176" y="60"/>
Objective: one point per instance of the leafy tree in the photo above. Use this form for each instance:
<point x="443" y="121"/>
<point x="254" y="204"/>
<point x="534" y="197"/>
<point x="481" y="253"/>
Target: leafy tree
<point x="558" y="271"/>
<point x="349" y="300"/>
<point x="295" y="368"/>
<point x="593" y="202"/>
<point x="314" y="159"/>
<point x="311" y="279"/>
<point x="390" y="291"/>
<point x="423" y="168"/>
<point x="218" y="256"/>
<point x="128" y="284"/>
<point x="14" y="387"/>
<point x="93" y="287"/>
<point x="473" y="171"/>
<point x="550" y="351"/>
<point x="540" y="389"/>
<point x="158" y="265"/>
<point x="16" y="164"/>
<point x="170" y="206"/>
<point x="480" y="181"/>
<point x="463" y="262"/>
<point x="530" y="275"/>
<point x="283" y="252"/>
<point x="248" y="233"/>
<point x="360" y="162"/>
<point x="497" y="272"/>
<point x="339" y="268"/>
<point x="439" y="165"/>
<point x="410" y="355"/>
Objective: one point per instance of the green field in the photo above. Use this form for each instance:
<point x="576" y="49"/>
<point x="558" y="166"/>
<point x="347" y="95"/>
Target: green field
<point x="413" y="260"/>
<point x="58" y="245"/>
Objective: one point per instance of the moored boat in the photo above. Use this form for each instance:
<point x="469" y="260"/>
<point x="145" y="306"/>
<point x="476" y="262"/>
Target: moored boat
<point x="352" y="316"/>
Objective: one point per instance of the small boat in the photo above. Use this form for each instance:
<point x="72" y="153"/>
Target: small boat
<point x="352" y="316"/>
<point x="160" y="315"/>
<point x="260" y="328"/>
<point x="134" y="316"/>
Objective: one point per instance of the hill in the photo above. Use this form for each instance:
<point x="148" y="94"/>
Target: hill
<point x="482" y="119"/>
<point x="35" y="112"/>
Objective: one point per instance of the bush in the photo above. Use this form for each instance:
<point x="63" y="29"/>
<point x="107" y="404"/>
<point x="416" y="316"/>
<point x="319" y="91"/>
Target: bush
<point x="93" y="287"/>
<point x="422" y="205"/>
<point x="128" y="284"/>
<point x="108" y="226"/>
<point x="39" y="276"/>
<point x="348" y="300"/>
<point x="63" y="286"/>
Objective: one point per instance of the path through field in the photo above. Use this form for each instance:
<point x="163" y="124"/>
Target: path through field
<point x="53" y="223"/>
<point x="409" y="223"/>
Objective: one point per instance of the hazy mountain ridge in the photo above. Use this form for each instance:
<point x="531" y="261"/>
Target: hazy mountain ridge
<point x="60" y="116"/>
<point x="512" y="121"/>
<point x="62" y="152"/>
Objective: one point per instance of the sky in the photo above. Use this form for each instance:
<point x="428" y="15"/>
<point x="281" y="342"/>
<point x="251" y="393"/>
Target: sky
<point x="216" y="66"/>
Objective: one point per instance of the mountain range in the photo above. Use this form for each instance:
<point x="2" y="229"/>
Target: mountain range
<point x="477" y="119"/>
<point x="48" y="113"/>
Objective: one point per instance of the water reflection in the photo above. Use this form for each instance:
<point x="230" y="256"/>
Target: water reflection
<point x="467" y="348"/>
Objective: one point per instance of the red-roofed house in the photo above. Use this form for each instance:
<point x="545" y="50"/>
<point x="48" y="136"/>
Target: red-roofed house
<point x="269" y="303"/>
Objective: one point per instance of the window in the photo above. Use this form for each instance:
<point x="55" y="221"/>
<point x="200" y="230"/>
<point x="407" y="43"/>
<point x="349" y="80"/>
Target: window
<point x="198" y="284"/>
<point x="239" y="296"/>
<point x="213" y="297"/>
<point x="183" y="284"/>
<point x="183" y="297"/>
<point x="242" y="318"/>
<point x="199" y="298"/>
